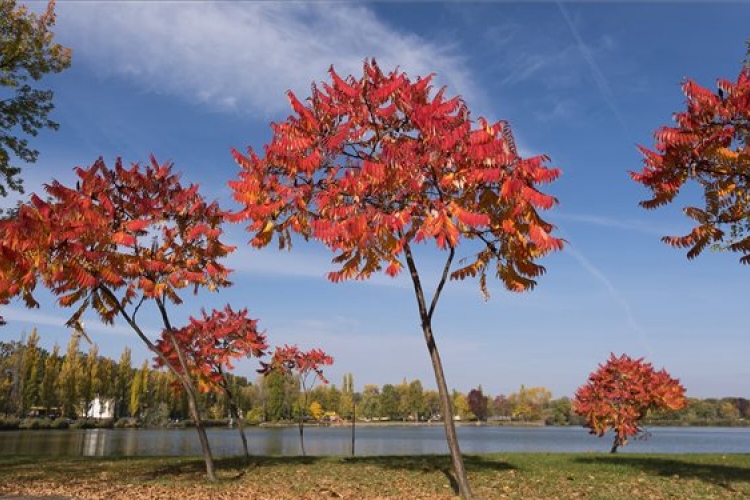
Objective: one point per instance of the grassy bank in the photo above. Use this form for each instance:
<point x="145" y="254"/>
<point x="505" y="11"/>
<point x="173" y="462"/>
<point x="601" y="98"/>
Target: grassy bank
<point x="494" y="476"/>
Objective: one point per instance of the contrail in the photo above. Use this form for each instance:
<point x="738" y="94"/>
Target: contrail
<point x="619" y="299"/>
<point x="596" y="72"/>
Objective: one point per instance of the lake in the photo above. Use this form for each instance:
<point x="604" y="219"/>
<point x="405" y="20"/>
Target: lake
<point x="390" y="440"/>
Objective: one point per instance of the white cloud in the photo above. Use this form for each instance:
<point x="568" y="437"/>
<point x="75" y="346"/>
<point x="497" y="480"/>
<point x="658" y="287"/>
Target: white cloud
<point x="243" y="56"/>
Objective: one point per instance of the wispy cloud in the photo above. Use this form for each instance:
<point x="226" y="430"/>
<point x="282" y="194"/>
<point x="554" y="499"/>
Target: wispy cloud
<point x="37" y="318"/>
<point x="596" y="73"/>
<point x="613" y="222"/>
<point x="244" y="55"/>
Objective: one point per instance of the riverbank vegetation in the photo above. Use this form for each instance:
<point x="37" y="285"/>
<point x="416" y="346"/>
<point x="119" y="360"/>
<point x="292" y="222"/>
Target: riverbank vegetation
<point x="493" y="476"/>
<point x="37" y="386"/>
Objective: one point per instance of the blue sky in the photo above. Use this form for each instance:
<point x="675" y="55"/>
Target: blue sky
<point x="583" y="82"/>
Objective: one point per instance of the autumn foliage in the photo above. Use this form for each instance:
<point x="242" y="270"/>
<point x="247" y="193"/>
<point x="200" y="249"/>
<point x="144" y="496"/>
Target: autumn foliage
<point x="710" y="145"/>
<point x="307" y="367"/>
<point x="291" y="359"/>
<point x="211" y="343"/>
<point x="119" y="238"/>
<point x="620" y="393"/>
<point x="369" y="165"/>
<point x="135" y="230"/>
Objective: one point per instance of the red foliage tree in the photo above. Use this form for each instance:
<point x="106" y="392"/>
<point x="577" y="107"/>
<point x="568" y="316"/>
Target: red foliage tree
<point x="374" y="165"/>
<point x="620" y="393"/>
<point x="208" y="345"/>
<point x="119" y="238"/>
<point x="307" y="367"/>
<point x="478" y="403"/>
<point x="709" y="146"/>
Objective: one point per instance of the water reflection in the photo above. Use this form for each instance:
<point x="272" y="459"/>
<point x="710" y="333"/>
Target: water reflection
<point x="395" y="440"/>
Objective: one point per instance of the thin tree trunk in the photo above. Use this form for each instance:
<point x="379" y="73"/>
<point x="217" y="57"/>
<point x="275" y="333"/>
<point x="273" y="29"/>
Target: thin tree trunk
<point x="240" y="426"/>
<point x="235" y="412"/>
<point x="354" y="419"/>
<point x="615" y="445"/>
<point x="425" y="315"/>
<point x="183" y="377"/>
<point x="464" y="489"/>
<point x="302" y="433"/>
<point x="202" y="436"/>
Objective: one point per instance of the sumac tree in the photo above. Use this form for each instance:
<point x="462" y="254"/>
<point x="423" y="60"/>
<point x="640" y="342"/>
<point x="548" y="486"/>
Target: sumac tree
<point x="620" y="393"/>
<point x="209" y="344"/>
<point x="116" y="240"/>
<point x="307" y="368"/>
<point x="710" y="146"/>
<point x="372" y="166"/>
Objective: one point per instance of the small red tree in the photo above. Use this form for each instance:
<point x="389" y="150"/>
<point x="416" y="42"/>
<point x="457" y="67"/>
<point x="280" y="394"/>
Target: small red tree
<point x="620" y="393"/>
<point x="478" y="403"/>
<point x="307" y="367"/>
<point x="119" y="238"/>
<point x="372" y="166"/>
<point x="208" y="345"/>
<point x="709" y="146"/>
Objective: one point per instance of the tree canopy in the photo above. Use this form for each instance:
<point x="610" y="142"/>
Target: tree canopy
<point x="620" y="393"/>
<point x="371" y="166"/>
<point x="710" y="146"/>
<point x="27" y="53"/>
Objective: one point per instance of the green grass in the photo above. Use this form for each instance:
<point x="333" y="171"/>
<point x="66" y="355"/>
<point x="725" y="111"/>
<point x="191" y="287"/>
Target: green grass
<point x="493" y="476"/>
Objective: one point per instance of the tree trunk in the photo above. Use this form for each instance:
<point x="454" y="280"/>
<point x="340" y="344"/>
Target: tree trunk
<point x="615" y="445"/>
<point x="302" y="434"/>
<point x="202" y="436"/>
<point x="425" y="315"/>
<point x="235" y="412"/>
<point x="240" y="425"/>
<point x="464" y="489"/>
<point x="354" y="419"/>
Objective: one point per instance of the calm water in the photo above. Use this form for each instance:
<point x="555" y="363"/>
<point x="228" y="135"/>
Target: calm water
<point x="404" y="440"/>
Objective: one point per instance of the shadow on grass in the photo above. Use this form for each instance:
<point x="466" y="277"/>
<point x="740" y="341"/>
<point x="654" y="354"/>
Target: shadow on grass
<point x="419" y="463"/>
<point x="712" y="473"/>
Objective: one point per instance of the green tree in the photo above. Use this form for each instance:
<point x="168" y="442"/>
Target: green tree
<point x="27" y="53"/>
<point x="389" y="402"/>
<point x="561" y="411"/>
<point x="139" y="391"/>
<point x="105" y="382"/>
<point x="88" y="382"/>
<point x="279" y="397"/>
<point x="123" y="379"/>
<point x="414" y="400"/>
<point x="432" y="404"/>
<point x="48" y="390"/>
<point x="32" y="367"/>
<point x="67" y="385"/>
<point x="369" y="407"/>
<point x="346" y="402"/>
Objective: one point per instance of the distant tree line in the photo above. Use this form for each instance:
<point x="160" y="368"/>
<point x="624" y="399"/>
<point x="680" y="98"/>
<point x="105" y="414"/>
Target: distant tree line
<point x="37" y="382"/>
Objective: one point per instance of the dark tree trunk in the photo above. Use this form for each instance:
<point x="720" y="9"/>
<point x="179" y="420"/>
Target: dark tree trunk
<point x="615" y="445"/>
<point x="301" y="425"/>
<point x="425" y="315"/>
<point x="464" y="489"/>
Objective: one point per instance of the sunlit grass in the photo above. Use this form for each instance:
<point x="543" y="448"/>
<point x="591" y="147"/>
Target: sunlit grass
<point x="510" y="475"/>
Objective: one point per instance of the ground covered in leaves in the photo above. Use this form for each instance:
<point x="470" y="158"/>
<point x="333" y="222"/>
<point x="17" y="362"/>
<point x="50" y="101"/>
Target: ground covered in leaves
<point x="496" y="476"/>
